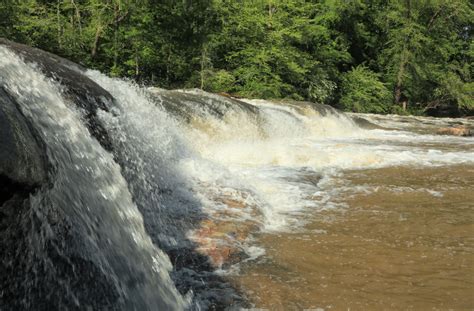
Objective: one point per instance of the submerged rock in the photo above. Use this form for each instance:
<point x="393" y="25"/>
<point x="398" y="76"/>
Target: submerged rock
<point x="455" y="131"/>
<point x="192" y="103"/>
<point x="365" y="124"/>
<point x="222" y="236"/>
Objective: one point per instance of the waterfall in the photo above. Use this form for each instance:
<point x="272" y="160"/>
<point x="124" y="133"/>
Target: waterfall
<point x="86" y="246"/>
<point x="125" y="197"/>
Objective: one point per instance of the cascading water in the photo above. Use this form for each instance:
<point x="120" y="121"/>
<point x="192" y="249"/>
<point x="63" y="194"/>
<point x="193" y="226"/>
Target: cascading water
<point x="283" y="153"/>
<point x="190" y="174"/>
<point x="84" y="221"/>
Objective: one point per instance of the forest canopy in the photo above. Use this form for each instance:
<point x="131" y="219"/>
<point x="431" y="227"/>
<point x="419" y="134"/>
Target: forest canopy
<point x="377" y="56"/>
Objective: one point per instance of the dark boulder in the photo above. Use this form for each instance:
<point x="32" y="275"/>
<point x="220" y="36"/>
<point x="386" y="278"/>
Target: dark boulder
<point x="22" y="165"/>
<point x="29" y="280"/>
<point x="445" y="110"/>
<point x="81" y="90"/>
<point x="46" y="258"/>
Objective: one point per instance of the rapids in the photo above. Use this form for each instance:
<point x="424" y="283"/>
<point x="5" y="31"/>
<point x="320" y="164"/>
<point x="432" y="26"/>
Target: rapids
<point x="164" y="199"/>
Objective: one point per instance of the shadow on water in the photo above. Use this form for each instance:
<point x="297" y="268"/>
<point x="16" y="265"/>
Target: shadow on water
<point x="70" y="273"/>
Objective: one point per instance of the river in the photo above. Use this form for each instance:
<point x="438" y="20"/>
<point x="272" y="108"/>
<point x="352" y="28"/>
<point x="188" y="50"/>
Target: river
<point x="124" y="197"/>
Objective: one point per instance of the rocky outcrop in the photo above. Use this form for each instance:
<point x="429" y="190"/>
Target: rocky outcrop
<point x="29" y="279"/>
<point x="22" y="165"/>
<point x="22" y="171"/>
<point x="59" y="249"/>
<point x="81" y="90"/>
<point x="187" y="104"/>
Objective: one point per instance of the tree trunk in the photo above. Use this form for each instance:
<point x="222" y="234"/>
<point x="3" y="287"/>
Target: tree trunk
<point x="398" y="93"/>
<point x="137" y="68"/>
<point x="203" y="65"/>
<point x="58" y="15"/>
<point x="116" y="25"/>
<point x="78" y="16"/>
<point x="168" y="70"/>
<point x="403" y="61"/>
<point x="401" y="72"/>
<point x="95" y="46"/>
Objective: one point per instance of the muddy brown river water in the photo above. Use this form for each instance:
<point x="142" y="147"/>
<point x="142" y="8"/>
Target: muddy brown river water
<point x="399" y="246"/>
<point x="340" y="215"/>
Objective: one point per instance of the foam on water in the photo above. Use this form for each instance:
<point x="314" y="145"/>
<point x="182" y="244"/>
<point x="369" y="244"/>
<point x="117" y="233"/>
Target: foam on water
<point x="281" y="155"/>
<point x="292" y="141"/>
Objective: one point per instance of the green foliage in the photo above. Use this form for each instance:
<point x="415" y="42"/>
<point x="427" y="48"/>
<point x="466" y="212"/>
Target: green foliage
<point x="372" y="55"/>
<point x="8" y="18"/>
<point x="362" y="91"/>
<point x="220" y="81"/>
<point x="453" y="90"/>
<point x="279" y="48"/>
<point x="424" y="38"/>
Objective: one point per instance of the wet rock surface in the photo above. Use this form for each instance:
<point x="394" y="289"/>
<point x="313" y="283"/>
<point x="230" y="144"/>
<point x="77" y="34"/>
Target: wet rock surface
<point x="22" y="155"/>
<point x="365" y="124"/>
<point x="79" y="89"/>
<point x="39" y="251"/>
<point x="455" y="131"/>
<point x="183" y="103"/>
<point x="49" y="258"/>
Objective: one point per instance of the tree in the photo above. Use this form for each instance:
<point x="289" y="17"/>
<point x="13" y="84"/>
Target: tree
<point x="421" y="40"/>
<point x="362" y="91"/>
<point x="328" y="51"/>
<point x="278" y="48"/>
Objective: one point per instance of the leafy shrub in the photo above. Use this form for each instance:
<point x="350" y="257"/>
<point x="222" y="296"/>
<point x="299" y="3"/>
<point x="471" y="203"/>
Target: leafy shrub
<point x="220" y="81"/>
<point x="362" y="91"/>
<point x="452" y="89"/>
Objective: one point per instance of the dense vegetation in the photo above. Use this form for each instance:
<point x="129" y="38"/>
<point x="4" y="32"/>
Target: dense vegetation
<point x="371" y="56"/>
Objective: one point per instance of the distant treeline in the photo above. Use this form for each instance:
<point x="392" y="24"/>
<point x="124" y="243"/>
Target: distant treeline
<point x="368" y="56"/>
